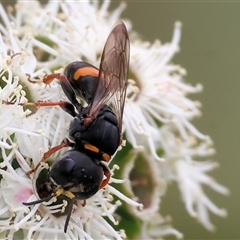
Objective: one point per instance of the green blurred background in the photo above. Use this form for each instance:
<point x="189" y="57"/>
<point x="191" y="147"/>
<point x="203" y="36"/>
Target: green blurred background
<point x="210" y="52"/>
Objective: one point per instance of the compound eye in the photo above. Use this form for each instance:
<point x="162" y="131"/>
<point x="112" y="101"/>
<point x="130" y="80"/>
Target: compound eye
<point x="62" y="170"/>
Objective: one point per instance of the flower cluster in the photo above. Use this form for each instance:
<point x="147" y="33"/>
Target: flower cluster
<point x="162" y="145"/>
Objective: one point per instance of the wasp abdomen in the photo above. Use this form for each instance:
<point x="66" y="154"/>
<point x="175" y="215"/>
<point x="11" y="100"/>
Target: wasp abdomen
<point x="83" y="78"/>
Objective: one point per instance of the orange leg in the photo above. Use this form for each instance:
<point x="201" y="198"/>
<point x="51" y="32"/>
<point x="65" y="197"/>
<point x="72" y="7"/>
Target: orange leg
<point x="46" y="155"/>
<point x="39" y="104"/>
<point x="107" y="173"/>
<point x="47" y="79"/>
<point x="84" y="203"/>
<point x="66" y="106"/>
<point x="65" y="84"/>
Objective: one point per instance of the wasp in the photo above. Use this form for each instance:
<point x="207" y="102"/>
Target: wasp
<point x="95" y="132"/>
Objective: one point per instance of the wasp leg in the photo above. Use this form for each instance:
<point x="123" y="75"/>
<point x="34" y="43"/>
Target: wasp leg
<point x="47" y="79"/>
<point x="69" y="108"/>
<point x="69" y="92"/>
<point x="66" y="106"/>
<point x="46" y="155"/>
<point x="84" y="203"/>
<point x="66" y="87"/>
<point x="107" y="173"/>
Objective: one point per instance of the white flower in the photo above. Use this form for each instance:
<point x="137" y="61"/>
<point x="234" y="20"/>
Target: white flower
<point x="26" y="138"/>
<point x="182" y="167"/>
<point x="157" y="124"/>
<point x="159" y="227"/>
<point x="158" y="94"/>
<point x="191" y="177"/>
<point x="27" y="134"/>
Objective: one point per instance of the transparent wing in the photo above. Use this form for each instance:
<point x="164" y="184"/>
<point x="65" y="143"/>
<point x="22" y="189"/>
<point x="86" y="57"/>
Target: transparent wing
<point x="113" y="72"/>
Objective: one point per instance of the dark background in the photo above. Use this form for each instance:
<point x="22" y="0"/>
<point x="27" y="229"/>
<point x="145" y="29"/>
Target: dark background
<point x="210" y="52"/>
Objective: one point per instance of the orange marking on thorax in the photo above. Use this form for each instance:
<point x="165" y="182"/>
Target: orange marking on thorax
<point x="81" y="72"/>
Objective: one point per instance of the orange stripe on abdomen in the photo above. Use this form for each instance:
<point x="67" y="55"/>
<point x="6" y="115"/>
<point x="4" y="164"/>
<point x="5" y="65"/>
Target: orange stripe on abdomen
<point x="81" y="72"/>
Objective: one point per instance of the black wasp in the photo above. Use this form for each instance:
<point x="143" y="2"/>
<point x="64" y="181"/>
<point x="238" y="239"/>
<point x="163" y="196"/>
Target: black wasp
<point x="95" y="131"/>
